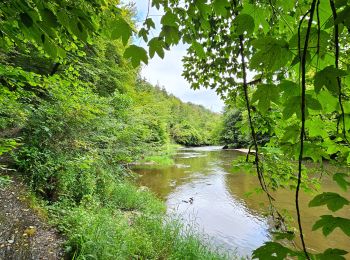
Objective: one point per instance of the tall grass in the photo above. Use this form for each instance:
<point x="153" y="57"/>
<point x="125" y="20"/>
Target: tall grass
<point x="132" y="225"/>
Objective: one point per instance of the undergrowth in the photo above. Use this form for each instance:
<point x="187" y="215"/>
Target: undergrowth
<point x="132" y="225"/>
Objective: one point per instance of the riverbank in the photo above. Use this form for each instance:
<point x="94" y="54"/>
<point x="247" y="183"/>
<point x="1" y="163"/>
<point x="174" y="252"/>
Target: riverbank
<point x="162" y="157"/>
<point x="223" y="202"/>
<point x="127" y="222"/>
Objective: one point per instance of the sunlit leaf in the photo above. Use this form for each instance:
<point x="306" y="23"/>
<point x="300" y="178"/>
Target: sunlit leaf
<point x="121" y="29"/>
<point x="156" y="46"/>
<point x="199" y="49"/>
<point x="243" y="23"/>
<point x="136" y="54"/>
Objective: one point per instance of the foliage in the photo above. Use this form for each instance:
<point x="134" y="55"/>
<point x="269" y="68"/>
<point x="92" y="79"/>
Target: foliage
<point x="231" y="133"/>
<point x="285" y="64"/>
<point x="128" y="225"/>
<point x="74" y="113"/>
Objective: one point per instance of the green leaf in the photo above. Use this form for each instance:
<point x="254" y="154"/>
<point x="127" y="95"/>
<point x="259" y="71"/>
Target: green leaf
<point x="312" y="103"/>
<point x="149" y="23"/>
<point x="328" y="101"/>
<point x="136" y="54"/>
<point x="333" y="254"/>
<point x="333" y="201"/>
<point x="340" y="179"/>
<point x="156" y="46"/>
<point x="63" y="18"/>
<point x="144" y="34"/>
<point x="171" y="34"/>
<point x="121" y="29"/>
<point x="50" y="48"/>
<point x="243" y="23"/>
<point x="49" y="17"/>
<point x="272" y="54"/>
<point x="204" y="9"/>
<point x="284" y="235"/>
<point x="328" y="78"/>
<point x="314" y="151"/>
<point x="316" y="127"/>
<point x="271" y="250"/>
<point x="259" y="14"/>
<point x="328" y="223"/>
<point x="289" y="88"/>
<point x="156" y="3"/>
<point x="26" y="19"/>
<point x="343" y="16"/>
<point x="199" y="50"/>
<point x="317" y="41"/>
<point x="291" y="133"/>
<point x="292" y="106"/>
<point x="265" y="94"/>
<point x="220" y="7"/>
<point x="169" y="19"/>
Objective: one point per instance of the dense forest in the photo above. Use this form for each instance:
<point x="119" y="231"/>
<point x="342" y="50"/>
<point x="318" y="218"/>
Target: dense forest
<point x="75" y="113"/>
<point x="71" y="125"/>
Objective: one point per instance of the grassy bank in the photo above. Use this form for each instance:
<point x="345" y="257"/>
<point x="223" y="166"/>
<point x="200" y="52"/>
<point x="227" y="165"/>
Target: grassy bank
<point x="163" y="157"/>
<point x="129" y="223"/>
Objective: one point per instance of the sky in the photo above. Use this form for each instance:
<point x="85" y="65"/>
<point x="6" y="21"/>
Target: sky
<point x="167" y="72"/>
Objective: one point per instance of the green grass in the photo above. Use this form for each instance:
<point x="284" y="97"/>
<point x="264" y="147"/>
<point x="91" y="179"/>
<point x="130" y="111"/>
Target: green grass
<point x="161" y="160"/>
<point x="4" y="180"/>
<point x="130" y="224"/>
<point x="163" y="157"/>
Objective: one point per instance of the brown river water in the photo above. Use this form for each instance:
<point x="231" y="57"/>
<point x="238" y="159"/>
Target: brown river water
<point x="203" y="190"/>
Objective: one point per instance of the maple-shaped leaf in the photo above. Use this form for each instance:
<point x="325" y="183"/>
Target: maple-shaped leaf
<point x="220" y="7"/>
<point x="272" y="54"/>
<point x="332" y="253"/>
<point x="136" y="54"/>
<point x="171" y="34"/>
<point x="121" y="29"/>
<point x="156" y="46"/>
<point x="290" y="235"/>
<point x="333" y="201"/>
<point x="271" y="250"/>
<point x="328" y="223"/>
<point x="292" y="106"/>
<point x="169" y="19"/>
<point x="149" y="23"/>
<point x="328" y="78"/>
<point x="198" y="48"/>
<point x="265" y="94"/>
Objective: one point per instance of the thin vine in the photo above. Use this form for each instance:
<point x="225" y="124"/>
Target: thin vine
<point x="303" y="114"/>
<point x="336" y="61"/>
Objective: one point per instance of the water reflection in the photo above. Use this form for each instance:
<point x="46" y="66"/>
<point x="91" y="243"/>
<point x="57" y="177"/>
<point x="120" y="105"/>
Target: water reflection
<point x="220" y="207"/>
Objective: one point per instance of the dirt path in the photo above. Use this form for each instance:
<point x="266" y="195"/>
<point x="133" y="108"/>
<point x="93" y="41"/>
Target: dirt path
<point x="23" y="234"/>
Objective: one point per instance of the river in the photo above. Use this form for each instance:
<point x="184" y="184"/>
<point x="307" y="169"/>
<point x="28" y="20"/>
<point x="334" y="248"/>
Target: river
<point x="207" y="194"/>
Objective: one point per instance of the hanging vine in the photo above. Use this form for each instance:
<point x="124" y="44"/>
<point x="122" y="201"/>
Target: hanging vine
<point x="302" y="55"/>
